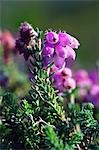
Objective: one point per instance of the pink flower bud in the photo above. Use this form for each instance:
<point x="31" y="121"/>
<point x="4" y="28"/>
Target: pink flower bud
<point x="70" y="84"/>
<point x="52" y="37"/>
<point x="66" y="72"/>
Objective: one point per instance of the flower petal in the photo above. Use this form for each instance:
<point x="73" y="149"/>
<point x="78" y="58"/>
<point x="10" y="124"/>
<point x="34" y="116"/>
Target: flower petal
<point x="47" y="50"/>
<point x="70" y="52"/>
<point x="52" y="37"/>
<point x="59" y="61"/>
<point x="61" y="51"/>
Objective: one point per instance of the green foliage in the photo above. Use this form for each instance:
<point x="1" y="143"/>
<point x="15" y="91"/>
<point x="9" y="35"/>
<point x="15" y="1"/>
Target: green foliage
<point x="35" y="124"/>
<point x="41" y="122"/>
<point x="85" y="118"/>
<point x="56" y="143"/>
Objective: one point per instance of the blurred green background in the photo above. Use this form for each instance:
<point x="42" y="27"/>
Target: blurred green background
<point x="79" y="18"/>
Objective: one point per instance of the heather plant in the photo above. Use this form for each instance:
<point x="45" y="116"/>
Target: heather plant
<point x="48" y="117"/>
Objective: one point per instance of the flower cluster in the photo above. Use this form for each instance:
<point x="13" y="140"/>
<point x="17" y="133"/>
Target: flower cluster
<point x="62" y="79"/>
<point x="27" y="40"/>
<point x="58" y="48"/>
<point x="88" y="85"/>
<point x="83" y="82"/>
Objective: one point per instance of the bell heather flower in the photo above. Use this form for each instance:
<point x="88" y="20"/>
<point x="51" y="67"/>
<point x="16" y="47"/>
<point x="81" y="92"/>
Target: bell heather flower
<point x="67" y="72"/>
<point x="63" y="39"/>
<point x="58" y="61"/>
<point x="52" y="37"/>
<point x="70" y="52"/>
<point x="82" y="79"/>
<point x="61" y="51"/>
<point x="27" y="40"/>
<point x="57" y="81"/>
<point x="59" y="48"/>
<point x="62" y="80"/>
<point x="48" y="50"/>
<point x="70" y="84"/>
<point x="74" y="43"/>
<point x="66" y="39"/>
<point x="83" y="82"/>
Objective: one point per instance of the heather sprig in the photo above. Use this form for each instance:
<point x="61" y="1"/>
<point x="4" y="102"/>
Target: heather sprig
<point x="45" y="118"/>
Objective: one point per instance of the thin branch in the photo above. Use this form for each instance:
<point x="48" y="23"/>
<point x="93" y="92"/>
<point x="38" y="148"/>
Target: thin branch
<point x="42" y="121"/>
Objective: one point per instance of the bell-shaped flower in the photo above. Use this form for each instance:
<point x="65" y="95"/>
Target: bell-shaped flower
<point x="52" y="37"/>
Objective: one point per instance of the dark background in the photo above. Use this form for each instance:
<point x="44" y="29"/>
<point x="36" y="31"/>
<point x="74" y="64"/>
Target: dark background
<point x="79" y="18"/>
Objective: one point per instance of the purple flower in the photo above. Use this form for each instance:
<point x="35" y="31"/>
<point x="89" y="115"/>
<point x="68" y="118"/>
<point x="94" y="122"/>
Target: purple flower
<point x="62" y="80"/>
<point x="54" y="69"/>
<point x="27" y="32"/>
<point x="83" y="82"/>
<point x="62" y="55"/>
<point x="94" y="95"/>
<point x="69" y="84"/>
<point x="59" y="61"/>
<point x="66" y="39"/>
<point x="48" y="50"/>
<point x="26" y="40"/>
<point x="82" y="79"/>
<point x="88" y="86"/>
<point x="59" y="47"/>
<point x="66" y="72"/>
<point x="57" y="81"/>
<point x="52" y="37"/>
<point x="69" y="62"/>
<point x="94" y="90"/>
<point x="61" y="51"/>
<point x="81" y="75"/>
<point x="74" y="43"/>
<point x="70" y="52"/>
